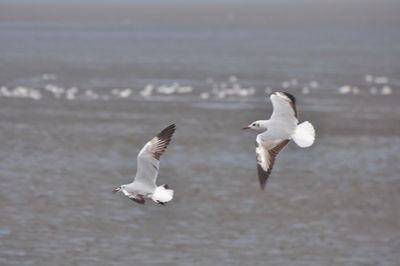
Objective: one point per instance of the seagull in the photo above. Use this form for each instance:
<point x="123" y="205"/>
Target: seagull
<point x="148" y="161"/>
<point x="277" y="132"/>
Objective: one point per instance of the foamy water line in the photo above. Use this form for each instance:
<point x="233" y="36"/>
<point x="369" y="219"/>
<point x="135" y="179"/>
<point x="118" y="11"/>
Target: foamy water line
<point x="230" y="89"/>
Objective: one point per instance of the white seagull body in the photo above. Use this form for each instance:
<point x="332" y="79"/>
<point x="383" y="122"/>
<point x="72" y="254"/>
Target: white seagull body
<point x="148" y="161"/>
<point x="277" y="132"/>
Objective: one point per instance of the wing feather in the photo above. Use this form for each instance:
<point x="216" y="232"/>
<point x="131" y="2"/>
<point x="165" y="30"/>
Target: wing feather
<point x="266" y="154"/>
<point x="284" y="105"/>
<point x="148" y="159"/>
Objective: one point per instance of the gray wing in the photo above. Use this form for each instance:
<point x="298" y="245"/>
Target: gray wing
<point x="284" y="105"/>
<point x="267" y="148"/>
<point x="148" y="160"/>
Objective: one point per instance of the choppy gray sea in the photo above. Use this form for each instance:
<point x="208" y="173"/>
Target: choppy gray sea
<point x="78" y="101"/>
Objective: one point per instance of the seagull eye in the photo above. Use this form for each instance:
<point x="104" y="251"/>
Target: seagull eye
<point x="254" y="125"/>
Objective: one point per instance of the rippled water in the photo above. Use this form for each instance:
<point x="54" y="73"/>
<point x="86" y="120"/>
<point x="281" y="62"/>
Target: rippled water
<point x="333" y="204"/>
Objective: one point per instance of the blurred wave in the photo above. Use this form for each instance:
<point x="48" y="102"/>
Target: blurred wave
<point x="78" y="101"/>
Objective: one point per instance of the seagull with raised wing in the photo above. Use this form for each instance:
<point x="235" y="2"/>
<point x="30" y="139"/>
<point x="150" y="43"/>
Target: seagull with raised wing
<point x="277" y="132"/>
<point x="148" y="161"/>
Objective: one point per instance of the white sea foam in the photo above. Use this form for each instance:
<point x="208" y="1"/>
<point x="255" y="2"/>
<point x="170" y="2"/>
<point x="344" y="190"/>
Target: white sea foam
<point x="233" y="79"/>
<point x="55" y="90"/>
<point x="164" y="89"/>
<point x="184" y="89"/>
<point x="90" y="95"/>
<point x="4" y="92"/>
<point x="229" y="89"/>
<point x="381" y="80"/>
<point x="314" y="84"/>
<point x="175" y="88"/>
<point x="386" y="90"/>
<point x="205" y="95"/>
<point x="125" y="93"/>
<point x="285" y="84"/>
<point x="344" y="89"/>
<point x="294" y="82"/>
<point x="20" y="92"/>
<point x="70" y="93"/>
<point x="373" y="90"/>
<point x="49" y="76"/>
<point x="369" y="78"/>
<point x="147" y="91"/>
<point x="305" y="90"/>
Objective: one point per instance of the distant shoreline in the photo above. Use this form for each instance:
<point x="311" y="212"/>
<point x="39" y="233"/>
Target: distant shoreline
<point x="352" y="14"/>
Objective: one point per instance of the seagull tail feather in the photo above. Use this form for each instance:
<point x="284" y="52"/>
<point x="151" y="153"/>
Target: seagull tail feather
<point x="162" y="194"/>
<point x="304" y="134"/>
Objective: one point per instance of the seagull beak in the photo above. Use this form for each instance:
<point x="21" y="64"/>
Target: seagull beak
<point x="115" y="190"/>
<point x="246" y="127"/>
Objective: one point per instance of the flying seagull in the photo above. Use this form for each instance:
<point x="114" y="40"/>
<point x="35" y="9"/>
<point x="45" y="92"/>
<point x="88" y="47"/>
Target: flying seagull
<point x="148" y="161"/>
<point x="277" y="132"/>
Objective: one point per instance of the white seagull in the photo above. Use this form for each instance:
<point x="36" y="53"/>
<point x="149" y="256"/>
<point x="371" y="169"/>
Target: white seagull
<point x="276" y="133"/>
<point x="148" y="161"/>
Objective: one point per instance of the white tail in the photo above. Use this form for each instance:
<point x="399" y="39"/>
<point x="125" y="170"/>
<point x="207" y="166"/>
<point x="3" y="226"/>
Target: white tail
<point x="304" y="134"/>
<point x="162" y="194"/>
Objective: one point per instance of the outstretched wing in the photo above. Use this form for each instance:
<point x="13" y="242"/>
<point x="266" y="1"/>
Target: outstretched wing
<point x="267" y="148"/>
<point x="148" y="160"/>
<point x="284" y="105"/>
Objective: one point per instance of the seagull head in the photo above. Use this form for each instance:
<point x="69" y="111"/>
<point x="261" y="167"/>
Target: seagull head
<point x="115" y="190"/>
<point x="259" y="126"/>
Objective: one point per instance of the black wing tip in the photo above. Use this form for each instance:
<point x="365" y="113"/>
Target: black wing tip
<point x="167" y="132"/>
<point x="171" y="127"/>
<point x="262" y="176"/>
<point x="287" y="94"/>
<point x="290" y="96"/>
<point x="164" y="138"/>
